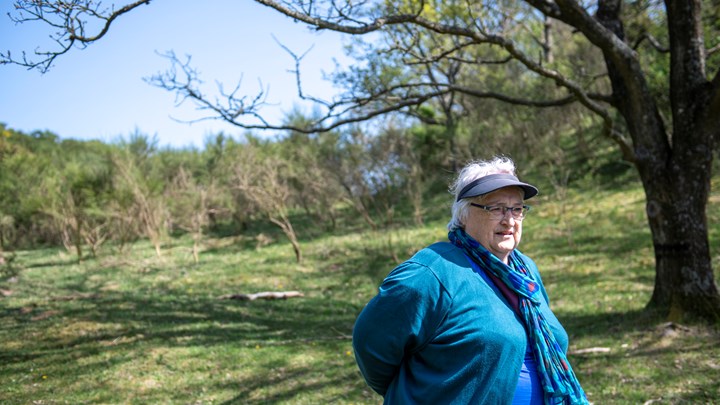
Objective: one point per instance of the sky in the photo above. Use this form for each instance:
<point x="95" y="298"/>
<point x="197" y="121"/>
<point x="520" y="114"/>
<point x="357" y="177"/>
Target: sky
<point x="99" y="92"/>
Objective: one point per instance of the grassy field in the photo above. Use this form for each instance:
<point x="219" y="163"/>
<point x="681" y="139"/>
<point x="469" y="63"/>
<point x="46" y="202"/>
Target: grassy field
<point x="132" y="328"/>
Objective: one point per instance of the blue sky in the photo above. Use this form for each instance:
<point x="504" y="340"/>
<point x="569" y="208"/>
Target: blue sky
<point x="99" y="92"/>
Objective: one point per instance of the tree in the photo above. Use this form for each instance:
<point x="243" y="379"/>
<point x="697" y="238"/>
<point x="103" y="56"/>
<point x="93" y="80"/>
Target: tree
<point x="311" y="173"/>
<point x="657" y="95"/>
<point x="260" y="177"/>
<point x="189" y="204"/>
<point x="140" y="196"/>
<point x="77" y="190"/>
<point x="26" y="159"/>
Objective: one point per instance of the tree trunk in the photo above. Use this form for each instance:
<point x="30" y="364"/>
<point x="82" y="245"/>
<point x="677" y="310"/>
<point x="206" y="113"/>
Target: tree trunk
<point x="548" y="41"/>
<point x="675" y="169"/>
<point x="77" y="237"/>
<point x="284" y="223"/>
<point x="684" y="281"/>
<point x="196" y="250"/>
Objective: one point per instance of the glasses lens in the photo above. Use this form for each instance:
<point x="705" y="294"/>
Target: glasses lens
<point x="516" y="212"/>
<point x="499" y="212"/>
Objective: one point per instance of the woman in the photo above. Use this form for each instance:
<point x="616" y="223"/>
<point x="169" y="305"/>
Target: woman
<point x="468" y="321"/>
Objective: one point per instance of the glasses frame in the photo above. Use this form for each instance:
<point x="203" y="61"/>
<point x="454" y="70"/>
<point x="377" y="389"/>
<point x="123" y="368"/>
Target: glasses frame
<point x="490" y="210"/>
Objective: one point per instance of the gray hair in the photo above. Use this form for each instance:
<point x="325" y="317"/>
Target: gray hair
<point x="473" y="171"/>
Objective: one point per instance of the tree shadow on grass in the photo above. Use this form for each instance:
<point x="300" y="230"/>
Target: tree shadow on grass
<point x="127" y="325"/>
<point x="208" y="321"/>
<point x="646" y="359"/>
<point x="607" y="323"/>
<point x="56" y="263"/>
<point x="289" y="384"/>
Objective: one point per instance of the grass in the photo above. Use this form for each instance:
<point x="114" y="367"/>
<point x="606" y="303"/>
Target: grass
<point x="135" y="329"/>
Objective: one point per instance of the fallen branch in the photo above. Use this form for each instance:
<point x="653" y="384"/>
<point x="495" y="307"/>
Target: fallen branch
<point x="266" y="295"/>
<point x="591" y="350"/>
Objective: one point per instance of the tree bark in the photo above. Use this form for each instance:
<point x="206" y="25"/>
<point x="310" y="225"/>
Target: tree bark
<point x="684" y="281"/>
<point x="675" y="171"/>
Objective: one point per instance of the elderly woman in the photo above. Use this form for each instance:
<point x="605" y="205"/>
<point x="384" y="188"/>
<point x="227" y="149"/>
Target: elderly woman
<point x="467" y="321"/>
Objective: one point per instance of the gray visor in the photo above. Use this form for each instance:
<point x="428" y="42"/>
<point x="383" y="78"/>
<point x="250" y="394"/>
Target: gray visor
<point x="492" y="182"/>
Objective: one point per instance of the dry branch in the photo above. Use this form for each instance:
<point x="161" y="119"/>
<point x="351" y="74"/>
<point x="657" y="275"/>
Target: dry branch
<point x="591" y="350"/>
<point x="266" y="295"/>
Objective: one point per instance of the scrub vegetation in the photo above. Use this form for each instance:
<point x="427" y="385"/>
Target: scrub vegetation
<point x="138" y="328"/>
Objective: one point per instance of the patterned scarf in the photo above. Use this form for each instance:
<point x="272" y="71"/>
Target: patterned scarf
<point x="557" y="377"/>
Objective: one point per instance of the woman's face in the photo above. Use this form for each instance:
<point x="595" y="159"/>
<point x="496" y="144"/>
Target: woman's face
<point x="499" y="236"/>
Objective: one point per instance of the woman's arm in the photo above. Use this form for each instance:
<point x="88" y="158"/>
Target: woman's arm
<point x="397" y="322"/>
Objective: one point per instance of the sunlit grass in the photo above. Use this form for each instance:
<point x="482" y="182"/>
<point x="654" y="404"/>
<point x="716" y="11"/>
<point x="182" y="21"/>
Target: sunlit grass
<point x="134" y="328"/>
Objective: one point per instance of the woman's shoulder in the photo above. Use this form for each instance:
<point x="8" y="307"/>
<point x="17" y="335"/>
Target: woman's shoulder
<point x="436" y="255"/>
<point x="440" y="253"/>
<point x="439" y="261"/>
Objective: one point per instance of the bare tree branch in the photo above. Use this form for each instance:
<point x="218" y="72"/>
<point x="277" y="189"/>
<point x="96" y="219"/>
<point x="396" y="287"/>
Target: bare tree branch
<point x="297" y="72"/>
<point x="712" y="50"/>
<point x="186" y="87"/>
<point x="236" y="110"/>
<point x="356" y="109"/>
<point x="565" y="10"/>
<point x="71" y="19"/>
<point x="653" y="41"/>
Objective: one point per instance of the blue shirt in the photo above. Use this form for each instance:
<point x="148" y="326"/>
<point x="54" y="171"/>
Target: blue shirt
<point x="529" y="389"/>
<point x="438" y="332"/>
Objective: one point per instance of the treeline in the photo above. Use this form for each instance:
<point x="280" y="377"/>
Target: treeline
<point x="85" y="194"/>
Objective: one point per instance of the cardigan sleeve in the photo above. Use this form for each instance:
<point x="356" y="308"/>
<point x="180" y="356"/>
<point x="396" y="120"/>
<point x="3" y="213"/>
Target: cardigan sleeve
<point x="404" y="316"/>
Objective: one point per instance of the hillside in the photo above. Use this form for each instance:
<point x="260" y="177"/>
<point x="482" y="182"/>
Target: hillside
<point x="128" y="327"/>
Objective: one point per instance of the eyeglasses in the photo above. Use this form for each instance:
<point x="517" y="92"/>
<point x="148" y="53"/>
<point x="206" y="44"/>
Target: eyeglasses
<point x="498" y="212"/>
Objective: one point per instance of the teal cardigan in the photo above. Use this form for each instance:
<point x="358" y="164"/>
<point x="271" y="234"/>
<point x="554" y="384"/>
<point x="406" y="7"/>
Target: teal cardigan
<point x="438" y="332"/>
